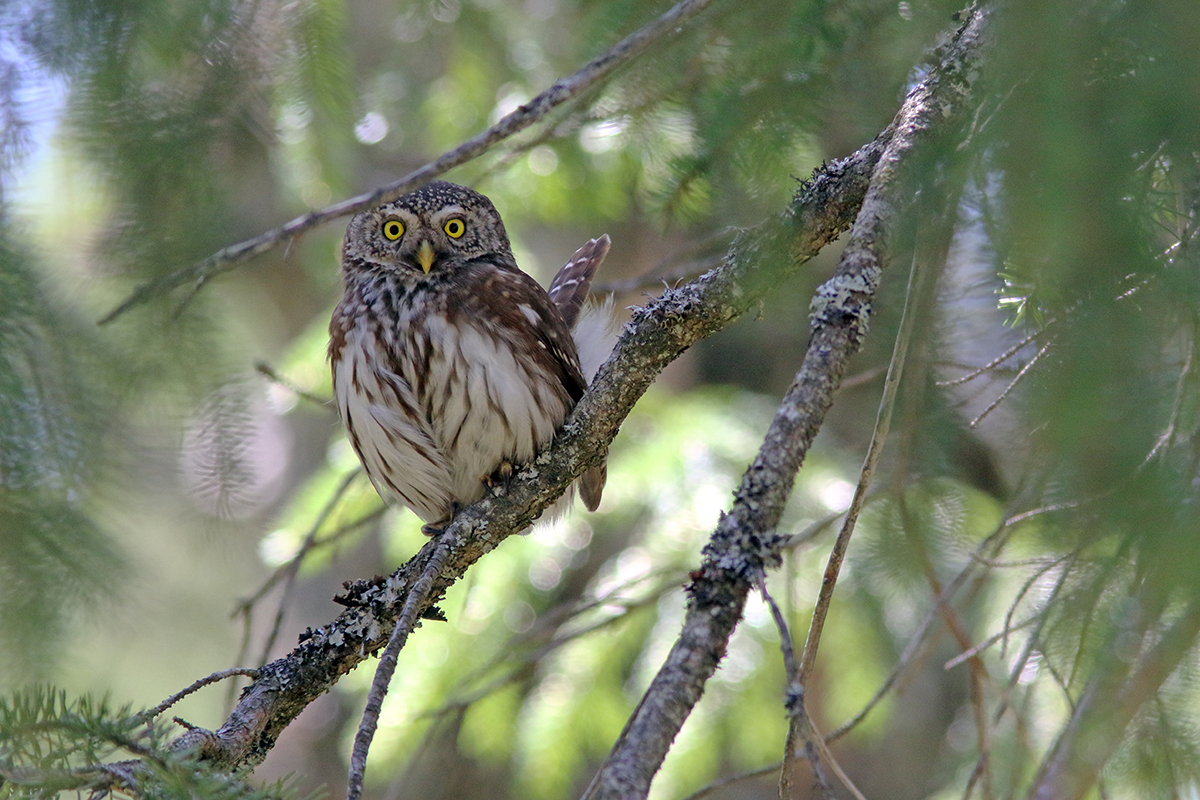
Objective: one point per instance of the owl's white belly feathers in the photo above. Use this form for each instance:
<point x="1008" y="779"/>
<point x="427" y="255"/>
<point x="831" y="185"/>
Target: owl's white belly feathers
<point x="471" y="406"/>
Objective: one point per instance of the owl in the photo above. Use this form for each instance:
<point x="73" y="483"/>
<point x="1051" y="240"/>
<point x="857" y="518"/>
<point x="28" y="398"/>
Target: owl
<point x="450" y="365"/>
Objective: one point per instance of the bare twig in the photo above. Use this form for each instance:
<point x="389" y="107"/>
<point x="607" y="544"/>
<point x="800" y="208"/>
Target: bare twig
<point x="200" y="684"/>
<point x="797" y="712"/>
<point x="732" y="779"/>
<point x="1168" y="435"/>
<point x="878" y="437"/>
<point x="972" y="652"/>
<point x="586" y="78"/>
<point x="1012" y="385"/>
<point x="828" y="758"/>
<point x="998" y="360"/>
<point x="288" y="571"/>
<point x="267" y="371"/>
<point x="418" y="597"/>
<point x="521" y="664"/>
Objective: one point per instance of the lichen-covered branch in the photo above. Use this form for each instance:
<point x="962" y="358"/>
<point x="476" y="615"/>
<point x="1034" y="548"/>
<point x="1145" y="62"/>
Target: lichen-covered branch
<point x="745" y="543"/>
<point x="654" y="337"/>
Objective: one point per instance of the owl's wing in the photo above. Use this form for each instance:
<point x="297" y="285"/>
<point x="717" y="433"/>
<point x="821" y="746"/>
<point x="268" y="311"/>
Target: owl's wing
<point x="569" y="288"/>
<point x="503" y="295"/>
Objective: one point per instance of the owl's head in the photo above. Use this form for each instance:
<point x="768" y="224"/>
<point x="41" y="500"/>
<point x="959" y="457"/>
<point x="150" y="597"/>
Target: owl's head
<point x="438" y="228"/>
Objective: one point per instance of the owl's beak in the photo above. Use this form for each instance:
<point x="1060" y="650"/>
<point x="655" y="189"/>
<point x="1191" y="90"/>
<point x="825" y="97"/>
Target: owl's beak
<point x="425" y="255"/>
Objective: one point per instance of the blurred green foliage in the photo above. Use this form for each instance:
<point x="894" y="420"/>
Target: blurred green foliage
<point x="149" y="476"/>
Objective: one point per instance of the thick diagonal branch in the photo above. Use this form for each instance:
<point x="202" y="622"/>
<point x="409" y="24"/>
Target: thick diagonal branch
<point x="655" y="336"/>
<point x="745" y="543"/>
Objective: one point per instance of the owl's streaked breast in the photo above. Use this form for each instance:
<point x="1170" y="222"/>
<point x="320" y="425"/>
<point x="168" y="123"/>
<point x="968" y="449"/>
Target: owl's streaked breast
<point x="455" y="399"/>
<point x="387" y="426"/>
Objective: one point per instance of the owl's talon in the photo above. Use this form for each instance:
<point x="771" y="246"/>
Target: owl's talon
<point x="432" y="529"/>
<point x="498" y="481"/>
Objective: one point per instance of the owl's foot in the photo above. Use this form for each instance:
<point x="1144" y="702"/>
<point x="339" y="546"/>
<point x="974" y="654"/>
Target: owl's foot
<point x="497" y="482"/>
<point x="432" y="529"/>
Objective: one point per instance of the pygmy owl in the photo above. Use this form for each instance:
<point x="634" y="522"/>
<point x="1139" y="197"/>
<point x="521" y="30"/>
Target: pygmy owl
<point x="450" y="364"/>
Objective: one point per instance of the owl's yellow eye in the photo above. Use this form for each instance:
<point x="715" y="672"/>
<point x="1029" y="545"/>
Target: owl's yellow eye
<point x="455" y="228"/>
<point x="393" y="229"/>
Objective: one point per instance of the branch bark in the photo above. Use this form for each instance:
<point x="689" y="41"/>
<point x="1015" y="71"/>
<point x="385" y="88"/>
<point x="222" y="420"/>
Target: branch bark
<point x="655" y="336"/>
<point x="745" y="543"/>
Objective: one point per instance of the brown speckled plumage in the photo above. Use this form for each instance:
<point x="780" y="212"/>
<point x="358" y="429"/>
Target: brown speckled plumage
<point x="450" y="364"/>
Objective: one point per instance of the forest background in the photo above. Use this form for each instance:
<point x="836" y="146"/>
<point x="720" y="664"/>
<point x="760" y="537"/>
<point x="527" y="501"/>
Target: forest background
<point x="1018" y="608"/>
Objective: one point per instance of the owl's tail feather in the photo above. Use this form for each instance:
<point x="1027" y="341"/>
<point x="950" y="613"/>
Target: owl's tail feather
<point x="570" y="286"/>
<point x="591" y="486"/>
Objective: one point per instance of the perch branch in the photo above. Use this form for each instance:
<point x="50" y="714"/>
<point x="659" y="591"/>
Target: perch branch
<point x="655" y="336"/>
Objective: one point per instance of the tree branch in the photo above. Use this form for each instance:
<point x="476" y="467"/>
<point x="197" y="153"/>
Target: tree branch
<point x="745" y="542"/>
<point x="655" y="335"/>
<point x="587" y="77"/>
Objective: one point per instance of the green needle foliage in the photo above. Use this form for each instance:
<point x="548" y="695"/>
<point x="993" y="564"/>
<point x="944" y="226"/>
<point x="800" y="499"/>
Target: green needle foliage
<point x="150" y="476"/>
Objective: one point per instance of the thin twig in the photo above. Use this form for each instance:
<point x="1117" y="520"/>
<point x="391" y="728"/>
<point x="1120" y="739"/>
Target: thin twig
<point x="998" y="360"/>
<point x="1169" y="434"/>
<point x="827" y="756"/>
<point x="968" y="654"/>
<point x="245" y="608"/>
<point x="1007" y="389"/>
<point x="738" y="778"/>
<point x="266" y="370"/>
<point x="883" y="422"/>
<point x="292" y="568"/>
<point x="796" y="709"/>
<point x="200" y="684"/>
<point x="522" y="664"/>
<point x="1028" y="585"/>
<point x="586" y="78"/>
<point x="418" y="595"/>
<point x="785" y="636"/>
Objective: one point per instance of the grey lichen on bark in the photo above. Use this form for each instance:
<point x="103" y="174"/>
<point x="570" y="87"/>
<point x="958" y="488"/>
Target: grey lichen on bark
<point x="745" y="543"/>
